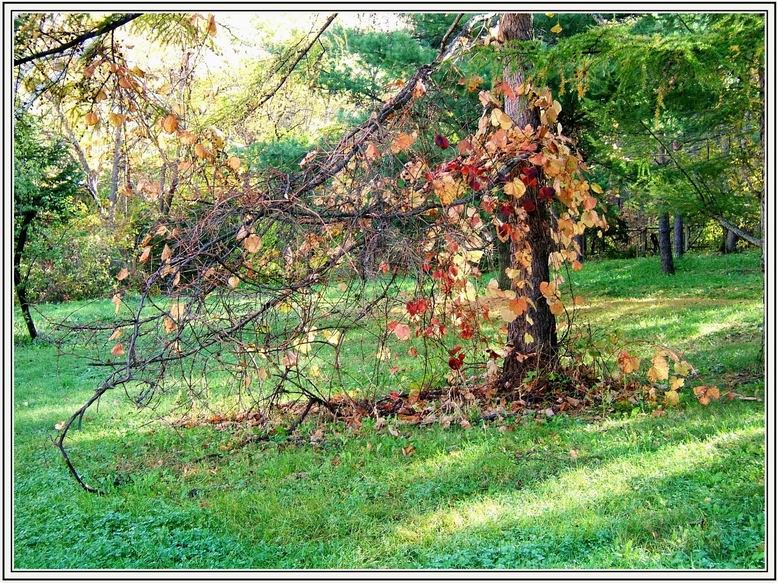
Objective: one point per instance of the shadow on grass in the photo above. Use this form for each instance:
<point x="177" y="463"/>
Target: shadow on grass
<point x="480" y="498"/>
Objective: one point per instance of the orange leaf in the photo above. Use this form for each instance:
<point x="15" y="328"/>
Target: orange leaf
<point x="170" y="123"/>
<point x="402" y="143"/>
<point x="118" y="349"/>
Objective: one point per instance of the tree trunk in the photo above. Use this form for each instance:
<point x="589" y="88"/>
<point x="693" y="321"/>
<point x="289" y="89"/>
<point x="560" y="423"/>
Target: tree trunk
<point x="19" y="285"/>
<point x="730" y="242"/>
<point x="533" y="339"/>
<point x="678" y="233"/>
<point x="504" y="257"/>
<point x="665" y="248"/>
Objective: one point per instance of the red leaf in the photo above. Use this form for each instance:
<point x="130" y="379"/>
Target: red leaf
<point x="546" y="193"/>
<point x="418" y="306"/>
<point x="441" y="142"/>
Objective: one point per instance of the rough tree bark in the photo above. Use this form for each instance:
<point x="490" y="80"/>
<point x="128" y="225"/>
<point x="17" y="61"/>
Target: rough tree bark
<point x="19" y="285"/>
<point x="678" y="234"/>
<point x="537" y="340"/>
<point x="665" y="248"/>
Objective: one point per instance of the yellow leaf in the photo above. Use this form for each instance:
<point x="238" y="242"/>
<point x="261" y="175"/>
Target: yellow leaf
<point x="676" y="383"/>
<point x="91" y="118"/>
<point x="500" y="118"/>
<point x="515" y="188"/>
<point x="672" y="399"/>
<point x="116" y="334"/>
<point x="661" y="367"/>
<point x="682" y="368"/>
<point x="596" y="188"/>
<point x="556" y="29"/>
<point x="234" y="163"/>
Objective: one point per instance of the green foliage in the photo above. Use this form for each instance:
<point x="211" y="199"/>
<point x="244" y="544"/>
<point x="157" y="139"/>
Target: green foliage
<point x="362" y="63"/>
<point x="669" y="107"/>
<point x="284" y="154"/>
<point x="71" y="261"/>
<point x="46" y="179"/>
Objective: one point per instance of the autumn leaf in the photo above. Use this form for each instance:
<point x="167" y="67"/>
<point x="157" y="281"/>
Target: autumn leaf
<point x="672" y="399"/>
<point x="116" y="119"/>
<point x="556" y="29"/>
<point x="557" y="308"/>
<point x="518" y="306"/>
<point x="116" y="334"/>
<point x="660" y="369"/>
<point x="145" y="255"/>
<point x="170" y="123"/>
<point x="682" y="368"/>
<point x="499" y="118"/>
<point x="548" y="290"/>
<point x="167" y="252"/>
<point x="628" y="363"/>
<point x="252" y="243"/>
<point x="596" y="188"/>
<point x="676" y="383"/>
<point x="117" y="350"/>
<point x="116" y="300"/>
<point x="515" y="188"/>
<point x="402" y="331"/>
<point x="201" y="151"/>
<point x="371" y="152"/>
<point x="233" y="281"/>
<point x="707" y="394"/>
<point x="441" y="142"/>
<point x="402" y="142"/>
<point x="211" y="26"/>
<point x="91" y="118"/>
<point x="123" y="274"/>
<point x="187" y="137"/>
<point x="169" y="324"/>
<point x="234" y="163"/>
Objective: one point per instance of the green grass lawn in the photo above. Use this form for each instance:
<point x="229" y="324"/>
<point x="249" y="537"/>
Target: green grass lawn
<point x="680" y="491"/>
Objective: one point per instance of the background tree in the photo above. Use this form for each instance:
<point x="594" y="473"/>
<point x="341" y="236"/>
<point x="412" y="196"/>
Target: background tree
<point x="46" y="182"/>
